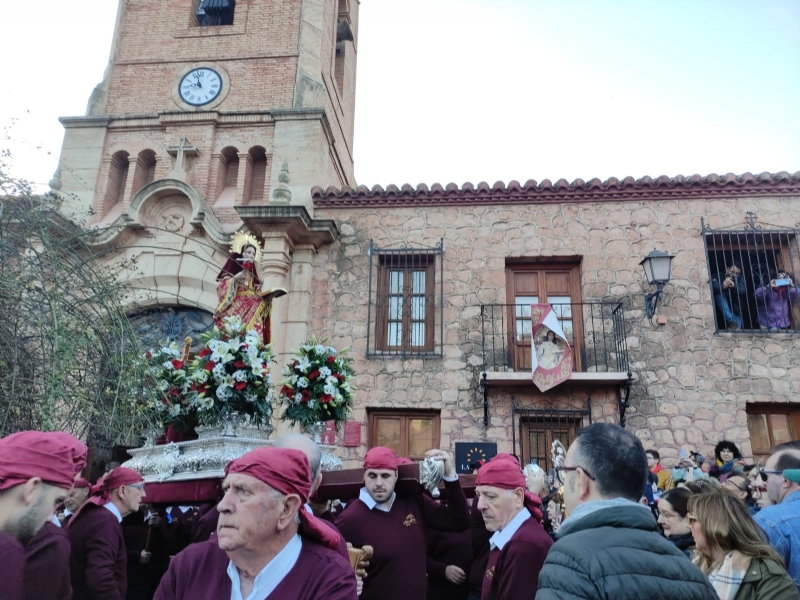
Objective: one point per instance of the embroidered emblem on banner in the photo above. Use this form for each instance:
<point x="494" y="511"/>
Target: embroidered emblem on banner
<point x="551" y="355"/>
<point x="410" y="520"/>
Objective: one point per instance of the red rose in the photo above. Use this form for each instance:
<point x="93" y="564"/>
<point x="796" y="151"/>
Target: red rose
<point x="313" y="375"/>
<point x="339" y="376"/>
<point x="210" y="365"/>
<point x="306" y="395"/>
<point x="240" y="385"/>
<point x="325" y="398"/>
<point x="330" y="359"/>
<point x="204" y="352"/>
<point x="239" y="364"/>
<point x="175" y="392"/>
<point x="177" y="364"/>
<point x="148" y="355"/>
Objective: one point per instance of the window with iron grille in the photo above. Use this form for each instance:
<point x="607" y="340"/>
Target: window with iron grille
<point x="405" y="301"/>
<point x="214" y="13"/>
<point x="752" y="277"/>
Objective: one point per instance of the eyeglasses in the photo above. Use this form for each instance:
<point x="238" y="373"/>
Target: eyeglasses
<point x="138" y="486"/>
<point x="730" y="483"/>
<point x="765" y="474"/>
<point x="560" y="470"/>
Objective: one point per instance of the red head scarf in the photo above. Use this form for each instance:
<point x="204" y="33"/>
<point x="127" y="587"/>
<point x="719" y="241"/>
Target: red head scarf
<point x="381" y="457"/>
<point x="402" y="460"/>
<point x="101" y="491"/>
<point x="54" y="456"/>
<point x="504" y="472"/>
<point x="287" y="471"/>
<point x="80" y="482"/>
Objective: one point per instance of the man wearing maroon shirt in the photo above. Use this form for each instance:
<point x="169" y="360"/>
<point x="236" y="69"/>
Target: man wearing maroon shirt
<point x="395" y="526"/>
<point x="98" y="563"/>
<point x="36" y="470"/>
<point x="519" y="544"/>
<point x="267" y="547"/>
<point x="76" y="496"/>
<point x="48" y="552"/>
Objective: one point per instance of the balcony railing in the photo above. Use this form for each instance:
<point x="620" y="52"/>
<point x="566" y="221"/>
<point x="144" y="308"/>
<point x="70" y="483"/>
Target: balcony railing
<point x="595" y="330"/>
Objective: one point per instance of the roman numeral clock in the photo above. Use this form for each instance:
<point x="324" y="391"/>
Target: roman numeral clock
<point x="201" y="87"/>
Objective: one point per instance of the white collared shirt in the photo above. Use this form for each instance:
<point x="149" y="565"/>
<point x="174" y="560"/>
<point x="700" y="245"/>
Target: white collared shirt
<point x="113" y="510"/>
<point x="502" y="537"/>
<point x="183" y="509"/>
<point x="364" y="496"/>
<point x="55" y="521"/>
<point x="271" y="575"/>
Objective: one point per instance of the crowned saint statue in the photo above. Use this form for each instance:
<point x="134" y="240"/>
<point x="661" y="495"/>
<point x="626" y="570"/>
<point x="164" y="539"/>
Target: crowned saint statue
<point x="239" y="288"/>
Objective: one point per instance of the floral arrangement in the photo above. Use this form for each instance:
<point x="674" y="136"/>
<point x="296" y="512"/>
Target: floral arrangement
<point x="165" y="370"/>
<point x="317" y="386"/>
<point x="231" y="375"/>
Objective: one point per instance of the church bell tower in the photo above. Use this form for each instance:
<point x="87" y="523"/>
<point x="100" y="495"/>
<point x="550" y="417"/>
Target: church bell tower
<point x="215" y="116"/>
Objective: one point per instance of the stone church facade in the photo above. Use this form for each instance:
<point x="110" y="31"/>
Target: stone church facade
<point x="428" y="286"/>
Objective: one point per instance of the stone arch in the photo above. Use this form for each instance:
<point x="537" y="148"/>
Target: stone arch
<point x="256" y="177"/>
<point x="145" y="170"/>
<point x="115" y="183"/>
<point x="227" y="176"/>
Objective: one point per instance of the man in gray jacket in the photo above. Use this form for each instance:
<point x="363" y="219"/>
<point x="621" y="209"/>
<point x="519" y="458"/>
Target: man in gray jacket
<point x="609" y="546"/>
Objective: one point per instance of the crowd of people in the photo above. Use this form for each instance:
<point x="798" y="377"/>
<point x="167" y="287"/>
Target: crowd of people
<point x="607" y="522"/>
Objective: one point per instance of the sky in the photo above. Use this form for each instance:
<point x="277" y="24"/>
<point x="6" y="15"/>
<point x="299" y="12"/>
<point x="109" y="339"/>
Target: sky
<point x="490" y="90"/>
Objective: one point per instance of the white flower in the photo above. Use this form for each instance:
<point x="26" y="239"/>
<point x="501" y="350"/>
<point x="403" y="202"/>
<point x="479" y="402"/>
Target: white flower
<point x="346" y="387"/>
<point x="163" y="385"/>
<point x="332" y="381"/>
<point x="298" y="397"/>
<point x="240" y="375"/>
<point x="303" y="365"/>
<point x="329" y="389"/>
<point x="312" y="404"/>
<point x="175" y="410"/>
<point x="250" y="397"/>
<point x="168" y="365"/>
<point x="324" y="372"/>
<point x="302" y="382"/>
<point x="320" y="349"/>
<point x="224" y="392"/>
<point x="269" y="379"/>
<point x="294" y="379"/>
<point x="219" y="370"/>
<point x="234" y="323"/>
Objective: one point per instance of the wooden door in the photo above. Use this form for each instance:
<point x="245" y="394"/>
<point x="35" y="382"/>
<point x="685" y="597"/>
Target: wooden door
<point x="537" y="435"/>
<point x="558" y="285"/>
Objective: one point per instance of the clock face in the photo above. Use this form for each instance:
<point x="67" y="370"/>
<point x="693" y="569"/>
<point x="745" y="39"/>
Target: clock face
<point x="200" y="86"/>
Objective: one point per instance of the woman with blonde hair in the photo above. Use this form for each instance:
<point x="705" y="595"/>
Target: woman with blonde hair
<point x="730" y="551"/>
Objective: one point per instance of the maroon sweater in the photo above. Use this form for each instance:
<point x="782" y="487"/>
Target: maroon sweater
<point x="12" y="565"/>
<point x="513" y="572"/>
<point x="98" y="560"/>
<point x="47" y="565"/>
<point x="397" y="568"/>
<point x="480" y="550"/>
<point x="445" y="549"/>
<point x="200" y="573"/>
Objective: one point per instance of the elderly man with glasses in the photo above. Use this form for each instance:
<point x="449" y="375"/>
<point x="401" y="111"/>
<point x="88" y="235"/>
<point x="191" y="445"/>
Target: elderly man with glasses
<point x="98" y="563"/>
<point x="781" y="521"/>
<point x="609" y="545"/>
<point x="741" y="487"/>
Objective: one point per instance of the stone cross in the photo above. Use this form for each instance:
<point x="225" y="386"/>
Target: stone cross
<point x="184" y="148"/>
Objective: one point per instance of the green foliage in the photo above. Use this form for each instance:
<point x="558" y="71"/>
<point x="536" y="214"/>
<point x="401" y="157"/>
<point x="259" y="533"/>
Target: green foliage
<point x="68" y="355"/>
<point x="317" y="385"/>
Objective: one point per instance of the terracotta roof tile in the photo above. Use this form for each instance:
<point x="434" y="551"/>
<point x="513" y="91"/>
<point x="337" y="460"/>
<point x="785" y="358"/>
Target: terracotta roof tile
<point x="594" y="190"/>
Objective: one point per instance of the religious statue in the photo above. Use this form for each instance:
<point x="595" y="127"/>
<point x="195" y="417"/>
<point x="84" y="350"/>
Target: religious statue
<point x="239" y="288"/>
<point x="549" y="352"/>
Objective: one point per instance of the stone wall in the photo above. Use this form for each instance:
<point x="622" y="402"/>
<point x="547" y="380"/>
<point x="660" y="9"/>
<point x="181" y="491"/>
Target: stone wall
<point x="692" y="385"/>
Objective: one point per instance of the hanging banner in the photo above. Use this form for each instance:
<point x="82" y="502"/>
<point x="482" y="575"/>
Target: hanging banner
<point x="551" y="356"/>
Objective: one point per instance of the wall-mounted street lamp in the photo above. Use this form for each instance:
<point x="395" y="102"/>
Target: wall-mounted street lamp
<point x="657" y="268"/>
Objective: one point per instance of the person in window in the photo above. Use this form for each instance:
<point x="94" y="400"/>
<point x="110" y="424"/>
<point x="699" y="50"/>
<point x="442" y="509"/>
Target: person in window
<point x="774" y="301"/>
<point x="729" y="461"/>
<point x="729" y="295"/>
<point x="549" y="353"/>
